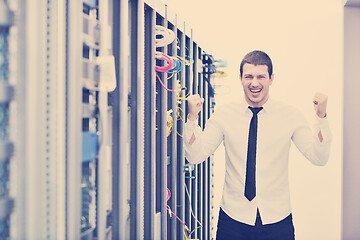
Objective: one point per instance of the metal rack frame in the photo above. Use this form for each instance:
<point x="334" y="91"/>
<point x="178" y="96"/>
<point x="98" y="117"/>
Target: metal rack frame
<point x="136" y="162"/>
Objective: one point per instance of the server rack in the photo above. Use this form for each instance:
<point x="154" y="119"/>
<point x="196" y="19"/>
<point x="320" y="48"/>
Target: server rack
<point x="166" y="168"/>
<point x="181" y="33"/>
<point x="150" y="124"/>
<point x="120" y="101"/>
<point x="89" y="77"/>
<point x="97" y="79"/>
<point x="94" y="155"/>
<point x="38" y="120"/>
<point x="6" y="141"/>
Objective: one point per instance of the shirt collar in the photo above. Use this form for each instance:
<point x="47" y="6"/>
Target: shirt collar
<point x="267" y="107"/>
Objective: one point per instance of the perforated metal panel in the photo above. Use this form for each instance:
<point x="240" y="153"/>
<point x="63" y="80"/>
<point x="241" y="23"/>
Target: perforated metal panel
<point x="6" y="144"/>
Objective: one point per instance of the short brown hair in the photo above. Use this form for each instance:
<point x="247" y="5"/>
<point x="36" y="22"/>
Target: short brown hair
<point x="257" y="58"/>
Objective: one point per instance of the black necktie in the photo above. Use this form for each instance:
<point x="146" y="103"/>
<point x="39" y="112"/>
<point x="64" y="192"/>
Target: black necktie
<point x="250" y="187"/>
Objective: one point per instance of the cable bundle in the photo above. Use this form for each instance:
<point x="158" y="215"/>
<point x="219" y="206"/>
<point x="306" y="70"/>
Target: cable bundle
<point x="177" y="67"/>
<point x="170" y="64"/>
<point x="209" y="69"/>
<point x="168" y="59"/>
<point x="167" y="36"/>
<point x="168" y="68"/>
<point x="208" y="59"/>
<point x="174" y="65"/>
<point x="220" y="63"/>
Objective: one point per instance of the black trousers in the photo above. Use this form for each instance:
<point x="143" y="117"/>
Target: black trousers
<point x="230" y="229"/>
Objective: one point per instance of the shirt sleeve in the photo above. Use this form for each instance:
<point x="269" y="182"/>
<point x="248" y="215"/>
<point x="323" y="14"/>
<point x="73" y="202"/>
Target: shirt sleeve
<point x="308" y="142"/>
<point x="206" y="141"/>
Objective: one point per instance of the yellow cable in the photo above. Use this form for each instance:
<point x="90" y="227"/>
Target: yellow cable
<point x="178" y="41"/>
<point x="187" y="62"/>
<point x="219" y="74"/>
<point x="185" y="234"/>
<point x="181" y="109"/>
<point x="191" y="210"/>
<point x="170" y="122"/>
<point x="182" y="98"/>
<point x="179" y="117"/>
<point x="179" y="134"/>
<point x="170" y="76"/>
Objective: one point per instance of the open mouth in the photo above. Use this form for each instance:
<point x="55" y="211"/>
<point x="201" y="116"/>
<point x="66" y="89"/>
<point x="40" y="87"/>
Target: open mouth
<point x="255" y="91"/>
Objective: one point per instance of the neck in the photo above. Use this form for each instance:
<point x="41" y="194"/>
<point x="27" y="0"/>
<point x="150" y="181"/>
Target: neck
<point x="257" y="104"/>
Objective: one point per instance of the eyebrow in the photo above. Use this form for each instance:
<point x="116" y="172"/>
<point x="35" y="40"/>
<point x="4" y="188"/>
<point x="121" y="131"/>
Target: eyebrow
<point x="251" y="75"/>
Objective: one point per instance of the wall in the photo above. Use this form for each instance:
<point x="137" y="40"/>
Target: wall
<point x="351" y="166"/>
<point x="304" y="40"/>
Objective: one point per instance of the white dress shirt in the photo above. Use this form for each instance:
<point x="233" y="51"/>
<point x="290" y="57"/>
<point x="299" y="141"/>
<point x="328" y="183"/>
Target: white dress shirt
<point x="278" y="124"/>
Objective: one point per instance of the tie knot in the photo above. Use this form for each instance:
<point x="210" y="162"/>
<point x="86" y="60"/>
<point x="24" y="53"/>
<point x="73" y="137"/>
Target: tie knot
<point x="255" y="110"/>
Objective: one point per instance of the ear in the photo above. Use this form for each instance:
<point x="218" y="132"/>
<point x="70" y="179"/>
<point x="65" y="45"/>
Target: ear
<point x="271" y="79"/>
<point x="240" y="77"/>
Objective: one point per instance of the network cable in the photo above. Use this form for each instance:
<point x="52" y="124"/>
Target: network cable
<point x="170" y="64"/>
<point x="186" y="61"/>
<point x="192" y="213"/>
<point x="219" y="73"/>
<point x="166" y="68"/>
<point x="210" y="69"/>
<point x="170" y="122"/>
<point x="168" y="196"/>
<point x="220" y="63"/>
<point x="168" y="59"/>
<point x="211" y="89"/>
<point x="167" y="36"/>
<point x="178" y="66"/>
<point x="208" y="59"/>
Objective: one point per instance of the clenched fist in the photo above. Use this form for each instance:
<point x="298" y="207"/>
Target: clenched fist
<point x="195" y="103"/>
<point x="320" y="103"/>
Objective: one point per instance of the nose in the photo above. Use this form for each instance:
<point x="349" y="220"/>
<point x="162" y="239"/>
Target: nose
<point x="255" y="83"/>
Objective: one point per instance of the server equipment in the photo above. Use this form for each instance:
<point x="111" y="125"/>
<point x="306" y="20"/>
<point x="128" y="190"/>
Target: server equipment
<point x="92" y="112"/>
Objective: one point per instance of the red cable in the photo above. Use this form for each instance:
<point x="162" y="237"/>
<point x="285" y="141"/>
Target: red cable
<point x="162" y="84"/>
<point x="165" y="68"/>
<point x="168" y="196"/>
<point x="168" y="208"/>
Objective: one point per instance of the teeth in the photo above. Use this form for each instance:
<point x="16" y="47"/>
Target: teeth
<point x="255" y="91"/>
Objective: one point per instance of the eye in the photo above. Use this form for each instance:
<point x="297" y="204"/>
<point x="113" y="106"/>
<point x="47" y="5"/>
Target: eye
<point x="248" y="77"/>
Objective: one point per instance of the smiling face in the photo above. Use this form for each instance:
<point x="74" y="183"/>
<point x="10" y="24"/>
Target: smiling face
<point x="256" y="83"/>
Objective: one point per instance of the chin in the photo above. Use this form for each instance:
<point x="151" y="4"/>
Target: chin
<point x="255" y="101"/>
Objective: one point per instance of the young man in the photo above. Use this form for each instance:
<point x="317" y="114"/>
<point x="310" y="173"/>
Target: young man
<point x="257" y="134"/>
